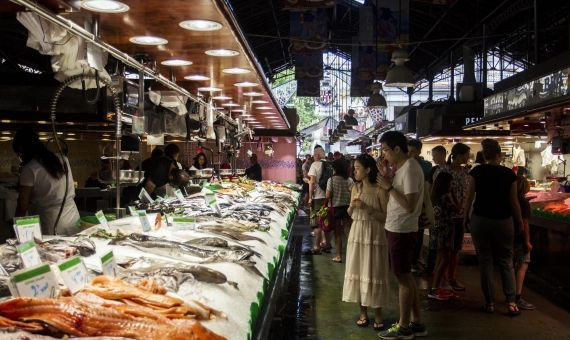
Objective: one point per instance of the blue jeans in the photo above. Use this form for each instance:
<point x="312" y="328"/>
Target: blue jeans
<point x="494" y="245"/>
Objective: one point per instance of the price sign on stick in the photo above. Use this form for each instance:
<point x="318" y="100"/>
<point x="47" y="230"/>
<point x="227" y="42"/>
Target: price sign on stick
<point x="29" y="254"/>
<point x="38" y="281"/>
<point x="109" y="264"/>
<point x="145" y="197"/>
<point x="73" y="273"/>
<point x="102" y="219"/>
<point x="28" y="228"/>
<point x="184" y="222"/>
<point x="144" y="220"/>
<point x="179" y="194"/>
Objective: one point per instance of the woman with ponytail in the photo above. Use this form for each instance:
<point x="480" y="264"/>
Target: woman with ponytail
<point x="456" y="162"/>
<point x="42" y="185"/>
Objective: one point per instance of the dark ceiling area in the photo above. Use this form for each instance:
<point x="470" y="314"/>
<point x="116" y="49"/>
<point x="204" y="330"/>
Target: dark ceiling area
<point x="436" y="30"/>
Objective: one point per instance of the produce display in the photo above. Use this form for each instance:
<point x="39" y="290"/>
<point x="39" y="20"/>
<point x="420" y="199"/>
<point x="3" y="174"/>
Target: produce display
<point x="192" y="267"/>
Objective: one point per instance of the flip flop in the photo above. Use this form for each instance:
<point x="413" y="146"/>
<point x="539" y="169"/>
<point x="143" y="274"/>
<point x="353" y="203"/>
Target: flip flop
<point x="337" y="260"/>
<point x="378" y="326"/>
<point x="362" y="322"/>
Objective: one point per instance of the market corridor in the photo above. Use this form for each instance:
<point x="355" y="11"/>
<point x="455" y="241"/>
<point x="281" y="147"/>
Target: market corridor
<point x="454" y="319"/>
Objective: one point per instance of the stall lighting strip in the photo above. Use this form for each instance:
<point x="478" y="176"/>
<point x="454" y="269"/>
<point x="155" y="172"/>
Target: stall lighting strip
<point x="124" y="57"/>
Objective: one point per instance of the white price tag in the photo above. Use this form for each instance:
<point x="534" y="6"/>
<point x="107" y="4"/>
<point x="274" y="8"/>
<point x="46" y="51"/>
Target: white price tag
<point x="145" y="197"/>
<point x="102" y="219"/>
<point x="29" y="254"/>
<point x="3" y="271"/>
<point x="38" y="281"/>
<point x="73" y="273"/>
<point x="132" y="210"/>
<point x="213" y="203"/>
<point x="144" y="220"/>
<point x="184" y="222"/>
<point x="179" y="194"/>
<point x="28" y="228"/>
<point x="108" y="264"/>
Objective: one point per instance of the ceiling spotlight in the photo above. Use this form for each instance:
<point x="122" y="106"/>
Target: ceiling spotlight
<point x="222" y="52"/>
<point x="222" y="98"/>
<point x="236" y="70"/>
<point x="148" y="40"/>
<point x="246" y="84"/>
<point x="104" y="6"/>
<point x="259" y="101"/>
<point x="197" y="77"/>
<point x="230" y="104"/>
<point x="200" y="25"/>
<point x="253" y="94"/>
<point x="209" y="89"/>
<point x="268" y="113"/>
<point x="176" y="62"/>
<point x="238" y="110"/>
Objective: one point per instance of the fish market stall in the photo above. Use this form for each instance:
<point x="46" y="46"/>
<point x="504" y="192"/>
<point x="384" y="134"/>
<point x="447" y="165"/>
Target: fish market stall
<point x="204" y="262"/>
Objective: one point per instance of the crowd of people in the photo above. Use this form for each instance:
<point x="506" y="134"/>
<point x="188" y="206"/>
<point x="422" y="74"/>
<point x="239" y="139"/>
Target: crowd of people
<point x="385" y="205"/>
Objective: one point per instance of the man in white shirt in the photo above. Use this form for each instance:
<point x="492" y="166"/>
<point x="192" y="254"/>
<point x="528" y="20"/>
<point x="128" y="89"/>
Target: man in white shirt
<point x="316" y="195"/>
<point x="404" y="208"/>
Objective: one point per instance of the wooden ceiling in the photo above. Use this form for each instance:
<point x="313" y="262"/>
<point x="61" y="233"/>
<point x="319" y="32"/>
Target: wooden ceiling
<point x="161" y="19"/>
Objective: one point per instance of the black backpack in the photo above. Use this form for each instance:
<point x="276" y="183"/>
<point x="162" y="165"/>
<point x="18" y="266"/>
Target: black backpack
<point x="326" y="173"/>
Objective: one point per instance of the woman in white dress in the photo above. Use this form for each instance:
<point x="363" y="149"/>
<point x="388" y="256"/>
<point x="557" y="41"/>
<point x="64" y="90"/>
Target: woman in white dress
<point x="366" y="275"/>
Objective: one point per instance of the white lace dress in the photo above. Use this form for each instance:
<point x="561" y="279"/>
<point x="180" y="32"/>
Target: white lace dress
<point x="366" y="273"/>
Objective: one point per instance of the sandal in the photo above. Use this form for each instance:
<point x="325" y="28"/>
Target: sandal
<point x="378" y="326"/>
<point x="489" y="308"/>
<point x="362" y="322"/>
<point x="513" y="309"/>
<point x="337" y="259"/>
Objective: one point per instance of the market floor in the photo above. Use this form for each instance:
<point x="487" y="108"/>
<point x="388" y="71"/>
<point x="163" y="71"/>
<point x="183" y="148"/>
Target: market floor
<point x="457" y="319"/>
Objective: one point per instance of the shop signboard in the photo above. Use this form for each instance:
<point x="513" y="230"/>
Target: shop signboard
<point x="551" y="86"/>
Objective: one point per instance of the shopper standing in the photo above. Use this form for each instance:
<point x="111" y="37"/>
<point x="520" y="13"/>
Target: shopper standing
<point x="172" y="152"/>
<point x="522" y="245"/>
<point x="404" y="208"/>
<point x="316" y="197"/>
<point x="496" y="204"/>
<point x="455" y="166"/>
<point x="43" y="188"/>
<point x="438" y="155"/>
<point x="338" y="191"/>
<point x="366" y="274"/>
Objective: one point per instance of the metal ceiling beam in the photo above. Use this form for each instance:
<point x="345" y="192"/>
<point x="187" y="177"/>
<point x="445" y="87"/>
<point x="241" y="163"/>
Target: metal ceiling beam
<point x="278" y="31"/>
<point x="433" y="27"/>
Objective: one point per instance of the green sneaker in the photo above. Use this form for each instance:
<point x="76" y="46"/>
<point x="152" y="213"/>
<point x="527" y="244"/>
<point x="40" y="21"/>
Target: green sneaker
<point x="418" y="329"/>
<point x="397" y="332"/>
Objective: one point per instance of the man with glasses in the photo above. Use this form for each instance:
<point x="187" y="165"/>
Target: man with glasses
<point x="404" y="208"/>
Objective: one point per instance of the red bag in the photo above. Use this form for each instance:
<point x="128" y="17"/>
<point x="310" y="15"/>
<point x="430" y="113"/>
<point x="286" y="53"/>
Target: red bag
<point x="325" y="219"/>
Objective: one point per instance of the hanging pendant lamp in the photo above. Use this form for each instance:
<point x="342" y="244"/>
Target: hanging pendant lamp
<point x="376" y="100"/>
<point x="400" y="75"/>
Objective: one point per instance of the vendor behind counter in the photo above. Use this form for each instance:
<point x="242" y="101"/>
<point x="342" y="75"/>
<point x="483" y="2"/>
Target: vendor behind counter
<point x="42" y="185"/>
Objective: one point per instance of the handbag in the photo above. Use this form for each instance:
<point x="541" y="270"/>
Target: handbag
<point x="325" y="218"/>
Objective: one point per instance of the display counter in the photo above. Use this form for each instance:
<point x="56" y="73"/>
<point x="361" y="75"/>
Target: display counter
<point x="220" y="249"/>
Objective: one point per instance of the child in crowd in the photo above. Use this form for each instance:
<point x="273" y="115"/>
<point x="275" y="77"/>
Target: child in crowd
<point x="442" y="236"/>
<point x="522" y="245"/>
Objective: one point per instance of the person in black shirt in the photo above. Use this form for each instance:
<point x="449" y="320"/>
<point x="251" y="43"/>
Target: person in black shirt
<point x="158" y="175"/>
<point x="254" y="171"/>
<point x="494" y="188"/>
<point x="147" y="163"/>
<point x="522" y="245"/>
<point x="172" y="151"/>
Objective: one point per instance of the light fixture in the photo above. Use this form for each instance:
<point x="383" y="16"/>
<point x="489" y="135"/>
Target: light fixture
<point x="253" y="94"/>
<point x="104" y="6"/>
<point x="221" y="98"/>
<point x="399" y="75"/>
<point x="200" y="25"/>
<point x="376" y="100"/>
<point x="176" y="62"/>
<point x="246" y="84"/>
<point x="197" y="77"/>
<point x="230" y="104"/>
<point x="219" y="108"/>
<point x="268" y="113"/>
<point x="222" y="52"/>
<point x="209" y="89"/>
<point x="239" y="110"/>
<point x="236" y="70"/>
<point x="264" y="108"/>
<point x="148" y="40"/>
<point x="259" y="101"/>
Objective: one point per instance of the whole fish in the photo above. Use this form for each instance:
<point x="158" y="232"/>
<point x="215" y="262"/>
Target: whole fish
<point x="216" y="242"/>
<point x="180" y="251"/>
<point x="57" y="249"/>
<point x="234" y="235"/>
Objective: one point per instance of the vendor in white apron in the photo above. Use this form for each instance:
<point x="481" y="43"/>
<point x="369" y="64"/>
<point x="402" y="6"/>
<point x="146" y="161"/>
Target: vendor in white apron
<point x="42" y="186"/>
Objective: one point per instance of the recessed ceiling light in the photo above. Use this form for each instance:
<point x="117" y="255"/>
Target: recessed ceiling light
<point x="264" y="108"/>
<point x="221" y="98"/>
<point x="249" y="118"/>
<point x="236" y="70"/>
<point x="219" y="108"/>
<point x="176" y="62"/>
<point x="259" y="101"/>
<point x="268" y="113"/>
<point x="209" y="89"/>
<point x="104" y="6"/>
<point x="246" y="84"/>
<point x="197" y="77"/>
<point x="148" y="40"/>
<point x="238" y="110"/>
<point x="222" y="52"/>
<point x="201" y="25"/>
<point x="230" y="104"/>
<point x="253" y="94"/>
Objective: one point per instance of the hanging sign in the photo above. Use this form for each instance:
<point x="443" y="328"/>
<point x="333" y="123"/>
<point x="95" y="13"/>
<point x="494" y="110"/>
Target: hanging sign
<point x="28" y="228"/>
<point x="73" y="273"/>
<point x="109" y="264"/>
<point x="38" y="281"/>
<point x="29" y="254"/>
